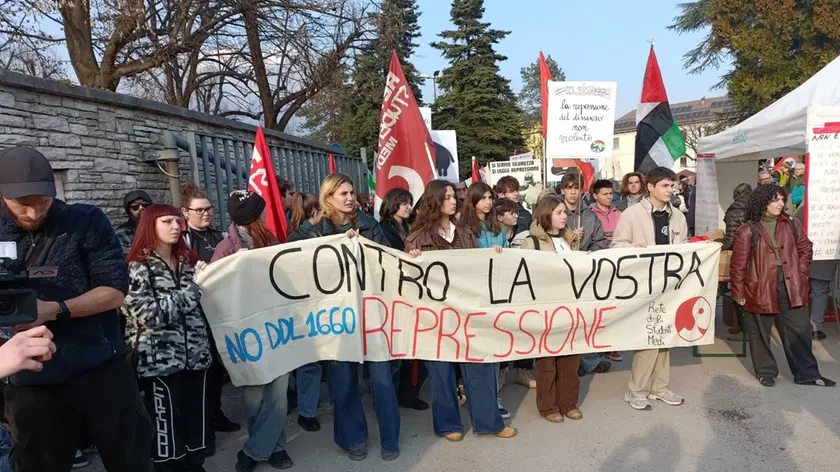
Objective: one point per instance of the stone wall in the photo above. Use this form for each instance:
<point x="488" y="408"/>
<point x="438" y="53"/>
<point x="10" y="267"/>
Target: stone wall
<point x="97" y="141"/>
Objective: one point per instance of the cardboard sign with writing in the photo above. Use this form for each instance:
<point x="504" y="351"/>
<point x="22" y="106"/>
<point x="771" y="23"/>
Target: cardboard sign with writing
<point x="527" y="172"/>
<point x="581" y="119"/>
<point x="274" y="309"/>
<point x="823" y="187"/>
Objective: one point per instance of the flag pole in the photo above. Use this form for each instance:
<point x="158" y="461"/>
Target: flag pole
<point x="431" y="161"/>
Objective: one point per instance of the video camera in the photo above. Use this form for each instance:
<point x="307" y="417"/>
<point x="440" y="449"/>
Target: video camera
<point x="18" y="304"/>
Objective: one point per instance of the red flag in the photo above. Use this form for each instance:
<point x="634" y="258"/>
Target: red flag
<point x="545" y="76"/>
<point x="406" y="154"/>
<point x="586" y="172"/>
<point x="263" y="181"/>
<point x="332" y="165"/>
<point x="476" y="174"/>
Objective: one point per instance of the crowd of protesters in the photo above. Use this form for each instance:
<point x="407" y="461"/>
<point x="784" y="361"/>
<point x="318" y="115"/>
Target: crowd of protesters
<point x="128" y="364"/>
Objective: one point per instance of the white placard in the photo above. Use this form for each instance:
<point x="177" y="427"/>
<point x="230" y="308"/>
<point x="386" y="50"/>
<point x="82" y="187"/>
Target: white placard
<point x="274" y="309"/>
<point x="446" y="154"/>
<point x="528" y="173"/>
<point x="522" y="157"/>
<point x="823" y="187"/>
<point x="581" y="119"/>
<point x="426" y="114"/>
<point x="707" y="212"/>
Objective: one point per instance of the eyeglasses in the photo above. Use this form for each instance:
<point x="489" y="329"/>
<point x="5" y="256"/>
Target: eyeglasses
<point x="202" y="211"/>
<point x="139" y="205"/>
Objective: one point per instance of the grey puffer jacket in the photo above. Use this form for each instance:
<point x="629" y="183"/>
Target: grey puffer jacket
<point x="594" y="237"/>
<point x="164" y="319"/>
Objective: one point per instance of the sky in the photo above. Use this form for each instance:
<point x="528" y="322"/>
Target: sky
<point x="590" y="40"/>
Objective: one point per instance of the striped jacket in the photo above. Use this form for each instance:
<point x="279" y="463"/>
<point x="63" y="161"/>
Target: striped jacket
<point x="164" y="318"/>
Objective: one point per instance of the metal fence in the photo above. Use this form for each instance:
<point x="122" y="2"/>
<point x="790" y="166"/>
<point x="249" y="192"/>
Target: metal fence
<point x="221" y="165"/>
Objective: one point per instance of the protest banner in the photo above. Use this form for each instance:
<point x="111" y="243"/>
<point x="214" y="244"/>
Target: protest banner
<point x="707" y="213"/>
<point x="528" y="173"/>
<point x="581" y="119"/>
<point x="274" y="309"/>
<point x="446" y="154"/>
<point x="823" y="177"/>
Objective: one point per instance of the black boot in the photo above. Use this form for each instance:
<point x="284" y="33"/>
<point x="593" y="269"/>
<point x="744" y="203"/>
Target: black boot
<point x="244" y="463"/>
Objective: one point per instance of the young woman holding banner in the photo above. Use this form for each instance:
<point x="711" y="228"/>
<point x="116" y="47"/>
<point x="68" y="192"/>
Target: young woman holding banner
<point x="435" y="230"/>
<point x="168" y="334"/>
<point x="340" y="215"/>
<point x="478" y="216"/>
<point x="393" y="217"/>
<point x="558" y="383"/>
<point x="265" y="405"/>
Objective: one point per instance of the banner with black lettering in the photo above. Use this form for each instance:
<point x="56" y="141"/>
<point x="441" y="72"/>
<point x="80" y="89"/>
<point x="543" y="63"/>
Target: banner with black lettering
<point x="272" y="310"/>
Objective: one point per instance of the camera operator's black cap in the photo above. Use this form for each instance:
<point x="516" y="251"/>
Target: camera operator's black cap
<point x="25" y="172"/>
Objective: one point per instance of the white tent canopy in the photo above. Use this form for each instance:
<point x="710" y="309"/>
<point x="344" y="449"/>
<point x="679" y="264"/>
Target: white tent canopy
<point x="778" y="130"/>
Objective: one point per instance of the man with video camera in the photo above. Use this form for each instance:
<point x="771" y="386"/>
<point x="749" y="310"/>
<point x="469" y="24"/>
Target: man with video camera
<point x="87" y="388"/>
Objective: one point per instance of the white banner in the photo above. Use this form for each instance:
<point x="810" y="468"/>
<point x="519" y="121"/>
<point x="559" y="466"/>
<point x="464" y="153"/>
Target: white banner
<point x="275" y="309"/>
<point x="823" y="187"/>
<point x="581" y="119"/>
<point x="446" y="154"/>
<point x="528" y="173"/>
<point x="707" y="213"/>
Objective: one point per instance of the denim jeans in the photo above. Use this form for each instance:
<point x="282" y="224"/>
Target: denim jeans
<point x="589" y="362"/>
<point x="266" y="407"/>
<point x="480" y="384"/>
<point x="820" y="291"/>
<point x="308" y="389"/>
<point x="350" y="425"/>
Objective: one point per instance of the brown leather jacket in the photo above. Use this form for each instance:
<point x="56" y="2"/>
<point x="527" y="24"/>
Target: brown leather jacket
<point x="758" y="287"/>
<point x="426" y="241"/>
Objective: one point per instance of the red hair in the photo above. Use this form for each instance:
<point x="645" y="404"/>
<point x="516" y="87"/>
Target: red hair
<point x="146" y="239"/>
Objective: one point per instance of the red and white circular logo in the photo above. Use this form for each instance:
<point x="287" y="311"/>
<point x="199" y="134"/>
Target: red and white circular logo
<point x="694" y="316"/>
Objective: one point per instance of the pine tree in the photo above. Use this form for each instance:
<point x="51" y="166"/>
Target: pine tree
<point x="397" y="29"/>
<point x="475" y="100"/>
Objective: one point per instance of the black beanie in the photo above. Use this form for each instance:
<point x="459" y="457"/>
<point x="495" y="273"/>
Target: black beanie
<point x="244" y="207"/>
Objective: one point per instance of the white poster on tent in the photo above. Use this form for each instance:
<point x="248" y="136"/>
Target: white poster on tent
<point x="446" y="154"/>
<point x="823" y="184"/>
<point x="707" y="212"/>
<point x="581" y="119"/>
<point x="528" y="173"/>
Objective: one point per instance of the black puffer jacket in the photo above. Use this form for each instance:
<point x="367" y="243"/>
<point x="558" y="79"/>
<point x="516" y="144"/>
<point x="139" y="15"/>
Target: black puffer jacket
<point x="125" y="231"/>
<point x="366" y="225"/>
<point x="735" y="216"/>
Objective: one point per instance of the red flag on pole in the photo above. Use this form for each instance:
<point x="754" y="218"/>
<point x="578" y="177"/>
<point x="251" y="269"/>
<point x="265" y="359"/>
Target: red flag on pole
<point x="586" y="172"/>
<point x="263" y="181"/>
<point x="405" y="158"/>
<point x="332" y="165"/>
<point x="476" y="174"/>
<point x="545" y="76"/>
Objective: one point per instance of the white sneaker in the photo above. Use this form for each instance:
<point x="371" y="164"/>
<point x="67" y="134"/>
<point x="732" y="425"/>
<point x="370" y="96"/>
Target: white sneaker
<point x="668" y="397"/>
<point x="502" y="409"/>
<point x="502" y="377"/>
<point x="637" y="403"/>
<point x="526" y="378"/>
<point x="80" y="460"/>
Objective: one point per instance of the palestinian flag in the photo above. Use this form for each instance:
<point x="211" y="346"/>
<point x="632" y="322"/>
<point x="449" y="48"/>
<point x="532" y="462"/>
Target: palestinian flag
<point x="659" y="142"/>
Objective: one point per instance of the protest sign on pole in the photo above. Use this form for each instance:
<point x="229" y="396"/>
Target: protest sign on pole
<point x="707" y="212"/>
<point x="581" y="119"/>
<point x="823" y="182"/>
<point x="446" y="154"/>
<point x="426" y="113"/>
<point x="353" y="300"/>
<point x="528" y="173"/>
<point x="527" y="156"/>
